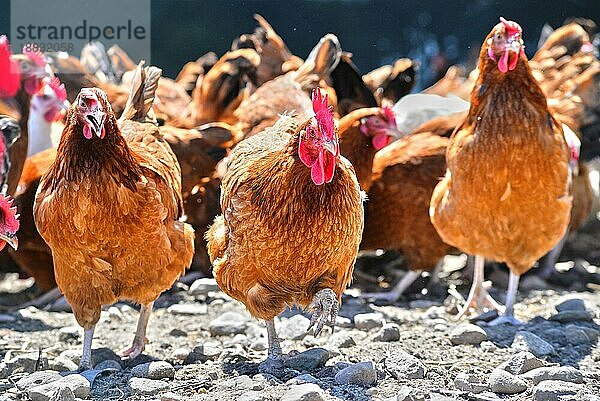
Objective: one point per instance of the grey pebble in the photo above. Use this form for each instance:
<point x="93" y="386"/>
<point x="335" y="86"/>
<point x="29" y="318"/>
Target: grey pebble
<point x="37" y="379"/>
<point x="404" y="366"/>
<point x="109" y="364"/>
<point x="362" y="374"/>
<point x="142" y="386"/>
<point x="555" y="390"/>
<point x="564" y="373"/>
<point x="69" y="333"/>
<point x="303" y="392"/>
<point x="468" y="382"/>
<point x="203" y="286"/>
<point x="388" y="333"/>
<point x="502" y="382"/>
<point x="576" y="335"/>
<point x="407" y="393"/>
<point x="26" y="363"/>
<point x="368" y="321"/>
<point x="527" y="341"/>
<point x="522" y="362"/>
<point x="78" y="384"/>
<point x="302" y="379"/>
<point x="572" y="316"/>
<point x="341" y="339"/>
<point x="154" y="370"/>
<point x="573" y="304"/>
<point x="61" y="364"/>
<point x="308" y="360"/>
<point x="228" y="323"/>
<point x="468" y="334"/>
<point x="294" y="328"/>
<point x="188" y="309"/>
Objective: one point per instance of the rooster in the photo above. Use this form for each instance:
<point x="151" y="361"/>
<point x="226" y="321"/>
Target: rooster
<point x="109" y="209"/>
<point x="291" y="223"/>
<point x="505" y="193"/>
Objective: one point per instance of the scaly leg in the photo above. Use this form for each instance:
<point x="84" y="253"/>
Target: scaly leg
<point x="395" y="293"/>
<point x="548" y="261"/>
<point x="511" y="294"/>
<point x="478" y="295"/>
<point x="86" y="357"/>
<point x="140" y="340"/>
<point x="274" y="361"/>
<point x="325" y="309"/>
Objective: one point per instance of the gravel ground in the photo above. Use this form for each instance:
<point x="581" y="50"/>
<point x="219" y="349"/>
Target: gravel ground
<point x="205" y="346"/>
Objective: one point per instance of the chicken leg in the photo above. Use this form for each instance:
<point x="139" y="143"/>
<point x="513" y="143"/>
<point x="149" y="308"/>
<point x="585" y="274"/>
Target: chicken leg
<point x="478" y="295"/>
<point x="86" y="357"/>
<point x="325" y="308"/>
<point x="548" y="261"/>
<point x="395" y="293"/>
<point x="511" y="294"/>
<point x="274" y="360"/>
<point x="140" y="340"/>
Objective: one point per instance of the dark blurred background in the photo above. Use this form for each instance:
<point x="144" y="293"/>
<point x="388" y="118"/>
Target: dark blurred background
<point x="436" y="33"/>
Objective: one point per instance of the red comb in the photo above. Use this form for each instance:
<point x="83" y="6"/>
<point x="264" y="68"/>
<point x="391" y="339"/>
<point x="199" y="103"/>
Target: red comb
<point x="36" y="56"/>
<point x="388" y="113"/>
<point x="511" y="26"/>
<point x="10" y="75"/>
<point x="9" y="211"/>
<point x="323" y="113"/>
<point x="58" y="88"/>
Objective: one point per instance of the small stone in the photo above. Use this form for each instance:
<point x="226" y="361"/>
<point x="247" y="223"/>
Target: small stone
<point x="563" y="373"/>
<point x="142" y="386"/>
<point x="343" y="322"/>
<point x="116" y="314"/>
<point x="362" y="374"/>
<point x="259" y="345"/>
<point x="302" y="379"/>
<point x="573" y="304"/>
<point x="502" y="382"/>
<point x="61" y="364"/>
<point x="572" y="316"/>
<point x="6" y="318"/>
<point x="308" y="360"/>
<point x="471" y="383"/>
<point x="239" y="383"/>
<point x="188" y="309"/>
<point x="576" y="335"/>
<point x="294" y="328"/>
<point x="303" y="392"/>
<point x="27" y="363"/>
<point x="228" y="323"/>
<point x="73" y="355"/>
<point x="404" y="366"/>
<point x="522" y="362"/>
<point x="104" y="354"/>
<point x="527" y="341"/>
<point x="154" y="370"/>
<point x="388" y="333"/>
<point x="468" y="334"/>
<point x="203" y="286"/>
<point x="168" y="396"/>
<point x="78" y="384"/>
<point x="488" y="346"/>
<point x="109" y="364"/>
<point x="180" y="354"/>
<point x="368" y="321"/>
<point x="233" y="355"/>
<point x="205" y="352"/>
<point x="556" y="390"/>
<point x="341" y="339"/>
<point x="37" y="379"/>
<point x="67" y="334"/>
<point x="252" y="396"/>
<point x="178" y="333"/>
<point x="407" y="393"/>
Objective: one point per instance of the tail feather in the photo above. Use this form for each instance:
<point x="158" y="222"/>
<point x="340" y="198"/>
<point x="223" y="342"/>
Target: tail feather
<point x="141" y="95"/>
<point x="323" y="58"/>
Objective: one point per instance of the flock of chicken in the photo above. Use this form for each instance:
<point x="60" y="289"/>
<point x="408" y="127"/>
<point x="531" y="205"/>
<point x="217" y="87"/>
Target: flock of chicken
<point x="488" y="164"/>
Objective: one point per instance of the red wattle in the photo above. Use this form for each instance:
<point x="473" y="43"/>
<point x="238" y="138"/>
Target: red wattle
<point x="317" y="171"/>
<point x="503" y="62"/>
<point x="513" y="61"/>
<point x="380" y="141"/>
<point x="87" y="132"/>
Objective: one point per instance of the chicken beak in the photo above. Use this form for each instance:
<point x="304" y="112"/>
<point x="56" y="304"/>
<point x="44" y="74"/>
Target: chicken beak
<point x="394" y="134"/>
<point x="96" y="121"/>
<point x="10" y="240"/>
<point x="331" y="147"/>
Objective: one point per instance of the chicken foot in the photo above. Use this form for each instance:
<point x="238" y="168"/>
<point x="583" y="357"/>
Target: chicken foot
<point x="140" y="340"/>
<point x="325" y="308"/>
<point x="478" y="295"/>
<point x="511" y="294"/>
<point x="86" y="357"/>
<point x="395" y="293"/>
<point x="274" y="362"/>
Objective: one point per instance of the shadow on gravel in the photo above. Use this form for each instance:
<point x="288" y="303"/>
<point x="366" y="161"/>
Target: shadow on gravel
<point x="571" y="342"/>
<point x="27" y="325"/>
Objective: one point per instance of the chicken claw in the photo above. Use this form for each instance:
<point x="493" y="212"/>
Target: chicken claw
<point x="140" y="340"/>
<point x="325" y="309"/>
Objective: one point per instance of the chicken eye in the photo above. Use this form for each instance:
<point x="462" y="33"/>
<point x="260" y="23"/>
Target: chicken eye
<point x="498" y="36"/>
<point x="45" y="97"/>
